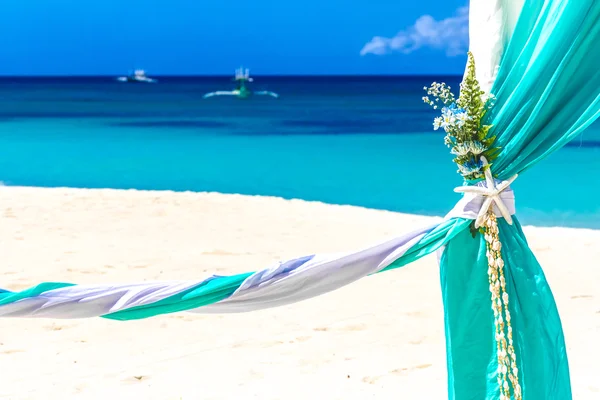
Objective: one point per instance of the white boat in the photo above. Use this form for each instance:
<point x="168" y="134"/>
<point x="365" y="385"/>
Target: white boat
<point x="138" y="76"/>
<point x="242" y="77"/>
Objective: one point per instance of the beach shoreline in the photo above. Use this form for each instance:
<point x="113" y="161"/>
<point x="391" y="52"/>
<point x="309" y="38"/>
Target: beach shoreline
<point x="380" y="337"/>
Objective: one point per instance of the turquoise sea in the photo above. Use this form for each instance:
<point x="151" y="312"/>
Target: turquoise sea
<point x="363" y="141"/>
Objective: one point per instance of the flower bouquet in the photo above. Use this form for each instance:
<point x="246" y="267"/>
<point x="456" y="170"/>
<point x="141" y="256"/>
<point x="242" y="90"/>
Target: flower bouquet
<point x="463" y="121"/>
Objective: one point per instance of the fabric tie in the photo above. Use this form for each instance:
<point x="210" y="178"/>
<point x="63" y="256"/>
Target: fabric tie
<point x="479" y="198"/>
<point x="470" y="204"/>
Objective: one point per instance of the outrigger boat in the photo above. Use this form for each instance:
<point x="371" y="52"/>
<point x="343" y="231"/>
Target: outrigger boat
<point x="138" y="76"/>
<point x="242" y="77"/>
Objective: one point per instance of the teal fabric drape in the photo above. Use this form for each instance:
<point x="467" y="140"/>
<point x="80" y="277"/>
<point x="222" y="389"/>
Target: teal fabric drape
<point x="433" y="241"/>
<point x="219" y="289"/>
<point x="548" y="92"/>
<point x="548" y="83"/>
<point x="470" y="331"/>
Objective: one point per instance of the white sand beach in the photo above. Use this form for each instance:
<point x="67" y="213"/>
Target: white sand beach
<point x="337" y="346"/>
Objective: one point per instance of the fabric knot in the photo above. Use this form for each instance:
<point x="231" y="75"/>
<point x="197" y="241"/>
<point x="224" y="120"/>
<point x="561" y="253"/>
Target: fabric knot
<point x="479" y="198"/>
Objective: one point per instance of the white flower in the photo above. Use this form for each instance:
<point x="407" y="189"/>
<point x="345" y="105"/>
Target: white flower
<point x="448" y="121"/>
<point x="476" y="148"/>
<point x="460" y="149"/>
<point x="461" y="118"/>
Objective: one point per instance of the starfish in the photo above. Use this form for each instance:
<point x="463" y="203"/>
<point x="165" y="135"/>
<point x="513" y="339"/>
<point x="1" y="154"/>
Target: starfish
<point x="491" y="192"/>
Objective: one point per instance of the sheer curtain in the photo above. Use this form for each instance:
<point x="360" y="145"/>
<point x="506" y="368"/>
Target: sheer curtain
<point x="542" y="68"/>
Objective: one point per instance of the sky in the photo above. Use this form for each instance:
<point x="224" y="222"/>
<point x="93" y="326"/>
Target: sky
<point x="213" y="37"/>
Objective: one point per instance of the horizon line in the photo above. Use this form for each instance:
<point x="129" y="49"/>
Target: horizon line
<point x="229" y="75"/>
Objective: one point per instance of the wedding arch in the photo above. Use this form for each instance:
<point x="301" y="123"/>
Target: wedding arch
<point x="531" y="85"/>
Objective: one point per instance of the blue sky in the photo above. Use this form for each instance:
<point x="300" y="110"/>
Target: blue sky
<point x="197" y="37"/>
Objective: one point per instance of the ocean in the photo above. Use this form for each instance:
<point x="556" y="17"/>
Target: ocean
<point x="365" y="141"/>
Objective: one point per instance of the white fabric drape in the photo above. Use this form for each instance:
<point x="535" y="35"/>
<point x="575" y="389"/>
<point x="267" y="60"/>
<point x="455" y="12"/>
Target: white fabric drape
<point x="491" y="25"/>
<point x="285" y="283"/>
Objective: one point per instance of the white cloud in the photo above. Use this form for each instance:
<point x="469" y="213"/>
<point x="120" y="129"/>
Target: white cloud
<point x="450" y="34"/>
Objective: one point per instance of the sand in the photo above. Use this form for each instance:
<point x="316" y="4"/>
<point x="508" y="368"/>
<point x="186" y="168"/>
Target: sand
<point x="337" y="346"/>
